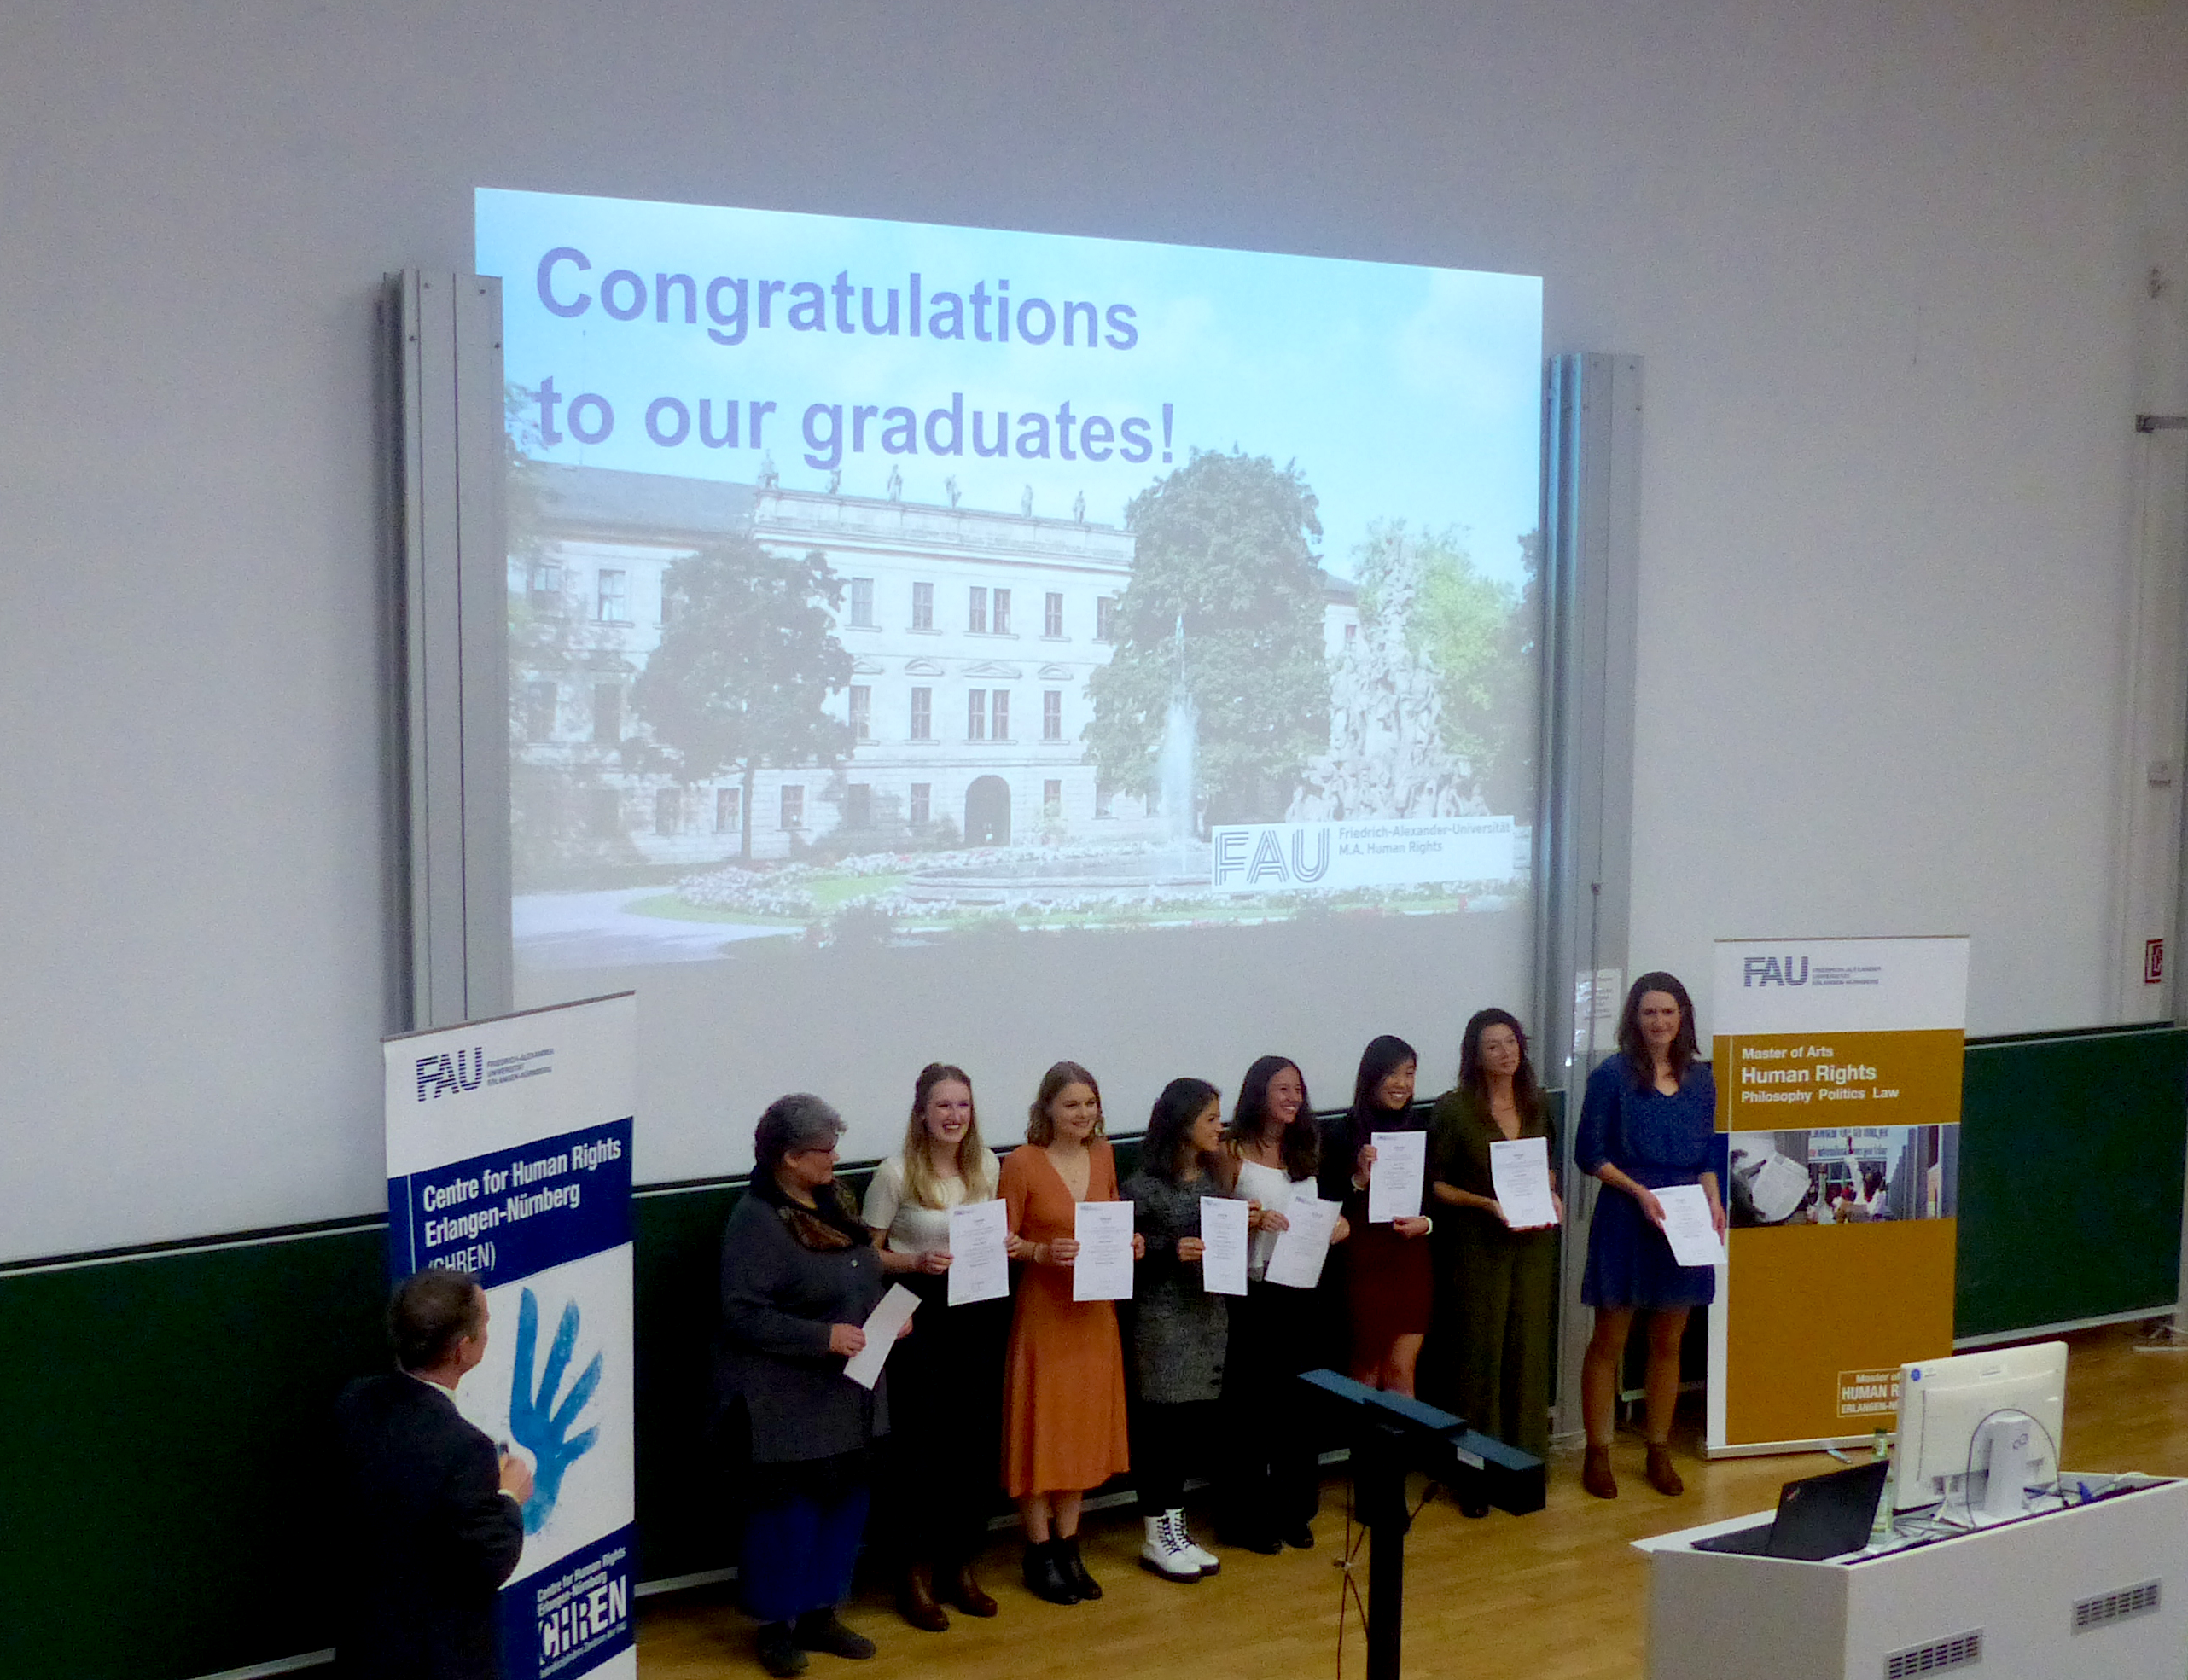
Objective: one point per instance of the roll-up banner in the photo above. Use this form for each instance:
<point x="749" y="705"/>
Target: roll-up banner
<point x="508" y="1157"/>
<point x="1838" y="1081"/>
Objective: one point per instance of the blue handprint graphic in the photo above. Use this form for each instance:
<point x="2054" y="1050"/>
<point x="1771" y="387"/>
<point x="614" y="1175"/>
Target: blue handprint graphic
<point x="536" y="1423"/>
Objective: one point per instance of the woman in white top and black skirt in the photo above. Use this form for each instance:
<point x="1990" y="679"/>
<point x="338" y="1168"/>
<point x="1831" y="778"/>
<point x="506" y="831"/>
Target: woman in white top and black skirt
<point x="1270" y="1484"/>
<point x="946" y="1380"/>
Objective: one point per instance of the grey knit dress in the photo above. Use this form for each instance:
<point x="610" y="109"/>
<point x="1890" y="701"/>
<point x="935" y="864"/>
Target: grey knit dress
<point x="1180" y="1329"/>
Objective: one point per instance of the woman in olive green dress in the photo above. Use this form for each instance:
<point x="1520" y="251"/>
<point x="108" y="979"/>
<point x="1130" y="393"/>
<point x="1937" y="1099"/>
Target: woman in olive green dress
<point x="1502" y="1281"/>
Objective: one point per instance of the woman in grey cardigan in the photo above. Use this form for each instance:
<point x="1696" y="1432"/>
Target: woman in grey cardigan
<point x="1180" y="1328"/>
<point x="799" y="1277"/>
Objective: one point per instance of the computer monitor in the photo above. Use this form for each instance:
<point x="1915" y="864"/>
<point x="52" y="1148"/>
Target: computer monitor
<point x="1960" y="1420"/>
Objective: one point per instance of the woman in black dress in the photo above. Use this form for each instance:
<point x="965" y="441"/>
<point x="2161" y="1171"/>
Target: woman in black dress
<point x="1390" y="1283"/>
<point x="938" y="1488"/>
<point x="1270" y="1483"/>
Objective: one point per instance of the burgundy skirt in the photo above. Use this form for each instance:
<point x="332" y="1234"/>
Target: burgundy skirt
<point x="1390" y="1289"/>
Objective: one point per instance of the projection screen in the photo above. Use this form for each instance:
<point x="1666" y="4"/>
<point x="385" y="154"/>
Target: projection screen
<point x="944" y="643"/>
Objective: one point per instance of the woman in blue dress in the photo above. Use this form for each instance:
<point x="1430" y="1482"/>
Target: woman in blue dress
<point x="1649" y="1121"/>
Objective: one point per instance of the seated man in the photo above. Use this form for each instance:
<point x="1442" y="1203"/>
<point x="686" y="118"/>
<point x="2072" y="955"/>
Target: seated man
<point x="434" y="1520"/>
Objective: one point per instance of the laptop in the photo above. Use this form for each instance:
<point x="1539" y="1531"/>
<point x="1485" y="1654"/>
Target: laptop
<point x="1818" y="1517"/>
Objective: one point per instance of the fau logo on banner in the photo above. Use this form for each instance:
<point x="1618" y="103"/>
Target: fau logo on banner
<point x="450" y="1072"/>
<point x="1773" y="971"/>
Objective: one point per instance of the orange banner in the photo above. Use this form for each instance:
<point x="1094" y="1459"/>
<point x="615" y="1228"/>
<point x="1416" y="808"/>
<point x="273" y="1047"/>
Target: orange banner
<point x="1788" y="1081"/>
<point x="1823" y="1316"/>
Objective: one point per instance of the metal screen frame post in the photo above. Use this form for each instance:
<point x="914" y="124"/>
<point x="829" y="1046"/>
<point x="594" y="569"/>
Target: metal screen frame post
<point x="1590" y="555"/>
<point x="455" y="647"/>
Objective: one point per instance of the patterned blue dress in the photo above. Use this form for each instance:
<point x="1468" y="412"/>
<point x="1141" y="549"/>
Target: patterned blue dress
<point x="1656" y="1141"/>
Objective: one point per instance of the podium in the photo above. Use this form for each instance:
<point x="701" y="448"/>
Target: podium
<point x="1391" y="1435"/>
<point x="2097" y="1589"/>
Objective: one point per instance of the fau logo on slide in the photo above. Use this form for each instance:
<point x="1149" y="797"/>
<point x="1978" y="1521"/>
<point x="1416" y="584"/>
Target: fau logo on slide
<point x="445" y="1074"/>
<point x="1771" y="971"/>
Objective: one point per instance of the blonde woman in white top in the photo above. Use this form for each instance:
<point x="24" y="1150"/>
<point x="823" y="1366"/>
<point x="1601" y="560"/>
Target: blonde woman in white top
<point x="946" y="1378"/>
<point x="1270" y="1485"/>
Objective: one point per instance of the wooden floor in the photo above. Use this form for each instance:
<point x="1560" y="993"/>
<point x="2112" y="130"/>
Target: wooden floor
<point x="1556" y="1596"/>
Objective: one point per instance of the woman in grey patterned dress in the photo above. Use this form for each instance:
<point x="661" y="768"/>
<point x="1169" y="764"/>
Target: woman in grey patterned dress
<point x="1180" y="1328"/>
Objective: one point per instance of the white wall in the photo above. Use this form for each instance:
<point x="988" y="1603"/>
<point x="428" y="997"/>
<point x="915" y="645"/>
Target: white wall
<point x="1885" y="259"/>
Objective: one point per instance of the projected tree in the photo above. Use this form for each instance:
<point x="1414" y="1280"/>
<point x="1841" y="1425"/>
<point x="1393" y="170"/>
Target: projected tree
<point x="748" y="658"/>
<point x="1477" y="636"/>
<point x="1223" y="549"/>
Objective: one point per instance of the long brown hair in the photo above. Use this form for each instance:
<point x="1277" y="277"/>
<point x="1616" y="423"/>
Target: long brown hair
<point x="1526" y="1094"/>
<point x="1684" y="1051"/>
<point x="1040" y="1128"/>
<point x="921" y="1184"/>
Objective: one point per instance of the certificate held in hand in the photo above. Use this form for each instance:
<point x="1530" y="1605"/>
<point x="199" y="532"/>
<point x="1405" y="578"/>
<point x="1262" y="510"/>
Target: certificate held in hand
<point x="1519" y="1172"/>
<point x="1296" y="1260"/>
<point x="1104" y="1270"/>
<point x="882" y="1327"/>
<point x="1688" y="1227"/>
<point x="979" y="1266"/>
<point x="1394" y="1182"/>
<point x="1222" y="1233"/>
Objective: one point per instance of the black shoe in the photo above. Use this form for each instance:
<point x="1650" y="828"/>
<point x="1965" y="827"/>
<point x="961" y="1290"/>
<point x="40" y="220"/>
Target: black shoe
<point x="1473" y="1505"/>
<point x="823" y="1631"/>
<point x="778" y="1650"/>
<point x="1253" y="1540"/>
<point x="1045" y="1576"/>
<point x="1302" y="1538"/>
<point x="1074" y="1569"/>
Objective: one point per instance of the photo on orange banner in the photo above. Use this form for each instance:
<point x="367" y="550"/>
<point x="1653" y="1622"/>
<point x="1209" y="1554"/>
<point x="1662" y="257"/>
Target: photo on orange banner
<point x="1808" y="1307"/>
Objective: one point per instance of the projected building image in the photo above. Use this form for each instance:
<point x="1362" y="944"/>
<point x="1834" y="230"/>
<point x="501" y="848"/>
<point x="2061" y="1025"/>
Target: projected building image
<point x="970" y="635"/>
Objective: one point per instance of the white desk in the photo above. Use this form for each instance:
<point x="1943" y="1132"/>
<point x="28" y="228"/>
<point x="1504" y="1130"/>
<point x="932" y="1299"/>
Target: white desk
<point x="1719" y="1616"/>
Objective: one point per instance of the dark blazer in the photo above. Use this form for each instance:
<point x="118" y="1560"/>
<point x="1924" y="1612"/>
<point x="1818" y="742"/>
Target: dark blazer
<point x="778" y="1299"/>
<point x="431" y="1536"/>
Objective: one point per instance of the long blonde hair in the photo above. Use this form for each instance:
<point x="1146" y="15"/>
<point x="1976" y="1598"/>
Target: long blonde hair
<point x="923" y="1186"/>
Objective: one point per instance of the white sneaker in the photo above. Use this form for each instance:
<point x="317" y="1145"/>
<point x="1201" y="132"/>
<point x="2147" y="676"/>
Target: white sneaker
<point x="1159" y="1552"/>
<point x="1199" y="1556"/>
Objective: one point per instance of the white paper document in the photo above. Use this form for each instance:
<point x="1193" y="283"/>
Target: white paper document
<point x="979" y="1269"/>
<point x="1296" y="1260"/>
<point x="1687" y="1224"/>
<point x="1519" y="1172"/>
<point x="1223" y="1229"/>
<point x="1401" y="1163"/>
<point x="1104" y="1270"/>
<point x="883" y="1323"/>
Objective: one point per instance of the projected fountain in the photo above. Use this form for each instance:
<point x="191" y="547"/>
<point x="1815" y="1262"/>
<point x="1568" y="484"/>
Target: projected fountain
<point x="1088" y="876"/>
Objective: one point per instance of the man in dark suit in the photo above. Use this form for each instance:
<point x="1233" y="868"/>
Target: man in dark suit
<point x="434" y="1518"/>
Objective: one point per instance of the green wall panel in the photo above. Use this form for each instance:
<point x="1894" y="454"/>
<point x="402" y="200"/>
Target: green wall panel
<point x="2071" y="1152"/>
<point x="165" y="1473"/>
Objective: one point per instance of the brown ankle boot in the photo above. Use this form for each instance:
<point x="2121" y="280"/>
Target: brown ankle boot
<point x="1662" y="1476"/>
<point x="962" y="1591"/>
<point x="1596" y="1474"/>
<point x="915" y="1600"/>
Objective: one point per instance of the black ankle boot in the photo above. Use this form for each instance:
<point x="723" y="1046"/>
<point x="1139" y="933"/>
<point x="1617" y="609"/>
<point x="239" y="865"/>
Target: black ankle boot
<point x="823" y="1631"/>
<point x="778" y="1650"/>
<point x="1045" y="1576"/>
<point x="1075" y="1570"/>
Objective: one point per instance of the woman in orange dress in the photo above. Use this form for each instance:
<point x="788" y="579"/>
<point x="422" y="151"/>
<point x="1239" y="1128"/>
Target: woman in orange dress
<point x="1063" y="1384"/>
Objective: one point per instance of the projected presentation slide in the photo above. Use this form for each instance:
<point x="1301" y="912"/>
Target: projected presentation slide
<point x="876" y="583"/>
